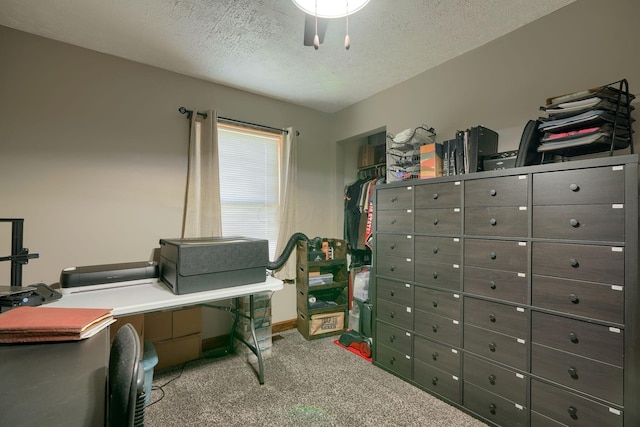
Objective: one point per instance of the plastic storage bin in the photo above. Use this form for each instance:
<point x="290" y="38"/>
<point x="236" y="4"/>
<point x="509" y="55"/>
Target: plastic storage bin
<point x="148" y="362"/>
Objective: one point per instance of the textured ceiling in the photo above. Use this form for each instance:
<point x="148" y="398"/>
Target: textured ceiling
<point x="256" y="45"/>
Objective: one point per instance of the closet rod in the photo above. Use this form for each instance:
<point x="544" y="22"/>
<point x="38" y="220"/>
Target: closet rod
<point x="183" y="110"/>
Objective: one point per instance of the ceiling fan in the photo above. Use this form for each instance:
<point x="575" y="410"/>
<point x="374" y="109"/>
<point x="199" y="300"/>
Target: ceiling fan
<point x="317" y="16"/>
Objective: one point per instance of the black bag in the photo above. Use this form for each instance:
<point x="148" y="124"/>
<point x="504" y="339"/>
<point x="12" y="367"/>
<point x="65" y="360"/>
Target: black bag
<point x="528" y="151"/>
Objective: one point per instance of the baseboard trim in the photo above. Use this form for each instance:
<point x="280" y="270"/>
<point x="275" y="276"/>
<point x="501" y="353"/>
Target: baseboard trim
<point x="284" y="326"/>
<point x="223" y="340"/>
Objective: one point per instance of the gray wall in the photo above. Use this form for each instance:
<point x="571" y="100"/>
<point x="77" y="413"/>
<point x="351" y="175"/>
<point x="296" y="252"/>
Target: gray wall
<point x="93" y="155"/>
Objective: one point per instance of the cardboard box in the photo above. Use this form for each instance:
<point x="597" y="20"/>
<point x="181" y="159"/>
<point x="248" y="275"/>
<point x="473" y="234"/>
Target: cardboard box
<point x="366" y="156"/>
<point x="175" y="351"/>
<point x="430" y="160"/>
<point x="187" y="321"/>
<point x="164" y="325"/>
<point x="158" y="325"/>
<point x="328" y="322"/>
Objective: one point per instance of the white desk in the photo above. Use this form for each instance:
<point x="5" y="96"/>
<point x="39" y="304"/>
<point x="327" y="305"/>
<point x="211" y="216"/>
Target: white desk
<point x="154" y="296"/>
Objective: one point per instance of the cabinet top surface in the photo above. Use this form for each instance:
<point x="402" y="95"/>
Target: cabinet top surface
<point x="549" y="167"/>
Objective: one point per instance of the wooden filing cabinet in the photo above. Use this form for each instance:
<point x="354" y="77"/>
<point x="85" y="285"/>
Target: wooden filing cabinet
<point x="512" y="294"/>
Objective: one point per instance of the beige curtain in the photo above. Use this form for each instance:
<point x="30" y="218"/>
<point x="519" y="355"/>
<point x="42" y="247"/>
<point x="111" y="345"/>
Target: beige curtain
<point x="202" y="211"/>
<point x="289" y="170"/>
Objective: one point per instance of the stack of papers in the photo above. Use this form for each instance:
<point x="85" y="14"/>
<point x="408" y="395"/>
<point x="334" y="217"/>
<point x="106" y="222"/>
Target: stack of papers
<point x="51" y="324"/>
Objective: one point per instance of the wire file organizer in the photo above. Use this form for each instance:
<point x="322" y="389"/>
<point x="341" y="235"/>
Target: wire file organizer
<point x="403" y="152"/>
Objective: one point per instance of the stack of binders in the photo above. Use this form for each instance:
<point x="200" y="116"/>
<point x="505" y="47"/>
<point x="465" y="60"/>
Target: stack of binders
<point x="465" y="153"/>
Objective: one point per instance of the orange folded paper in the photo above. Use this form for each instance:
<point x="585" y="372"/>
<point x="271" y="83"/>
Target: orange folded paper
<point x="40" y="324"/>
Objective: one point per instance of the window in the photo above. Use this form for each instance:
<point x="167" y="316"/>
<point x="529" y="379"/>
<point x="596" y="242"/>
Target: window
<point x="249" y="183"/>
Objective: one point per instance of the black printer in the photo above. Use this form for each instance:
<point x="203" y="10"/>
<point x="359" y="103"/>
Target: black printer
<point x="206" y="263"/>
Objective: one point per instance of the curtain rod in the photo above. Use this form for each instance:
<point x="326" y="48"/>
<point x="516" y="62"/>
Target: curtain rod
<point x="189" y="113"/>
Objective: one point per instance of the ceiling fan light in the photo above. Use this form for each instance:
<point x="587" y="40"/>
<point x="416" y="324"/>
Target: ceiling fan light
<point x="330" y="9"/>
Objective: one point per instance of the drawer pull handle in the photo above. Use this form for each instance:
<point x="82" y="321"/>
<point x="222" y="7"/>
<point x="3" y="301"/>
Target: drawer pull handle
<point x="435" y="303"/>
<point x="392" y="314"/>
<point x="574" y="263"/>
<point x="392" y="338"/>
<point x="573" y="337"/>
<point x="435" y="221"/>
<point x="493" y="221"/>
<point x="492" y="379"/>
<point x="492" y="346"/>
<point x="393" y="221"/>
<point x="392" y="268"/>
<point x="434" y="328"/>
<point x="492" y="318"/>
<point x="574" y="187"/>
<point x="574" y="223"/>
<point x="435" y="196"/>
<point x="393" y="246"/>
<point x="492" y="192"/>
<point x="392" y="360"/>
<point x="573" y="412"/>
<point x="492" y="408"/>
<point x="574" y="299"/>
<point x="492" y="284"/>
<point x="573" y="373"/>
<point x="493" y="255"/>
<point x="435" y="249"/>
<point x="392" y="293"/>
<point x="435" y="275"/>
<point x="435" y="355"/>
<point x="393" y="199"/>
<point x="434" y="380"/>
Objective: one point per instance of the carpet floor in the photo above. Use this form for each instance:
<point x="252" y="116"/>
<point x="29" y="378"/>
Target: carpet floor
<point x="307" y="383"/>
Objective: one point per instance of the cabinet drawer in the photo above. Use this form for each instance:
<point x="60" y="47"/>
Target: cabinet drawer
<point x="493" y="345"/>
<point x="579" y="187"/>
<point x="579" y="222"/>
<point x="396" y="314"/>
<point x="438" y="328"/>
<point x="570" y="409"/>
<point x="502" y="191"/>
<point x="492" y="407"/>
<point x="400" y="245"/>
<point x="586" y="339"/>
<point x="398" y="292"/>
<point x="587" y="375"/>
<point x="594" y="300"/>
<point x="445" y="276"/>
<point x="539" y="420"/>
<point x="396" y="221"/>
<point x="501" y="381"/>
<point x="581" y="262"/>
<point x="437" y="381"/>
<point x="496" y="221"/>
<point x="496" y="254"/>
<point x="439" y="249"/>
<point x="504" y="285"/>
<point x="393" y="337"/>
<point x="442" y="303"/>
<point x="503" y="318"/>
<point x="436" y="354"/>
<point x="395" y="267"/>
<point x="396" y="361"/>
<point x="442" y="195"/>
<point x="394" y="198"/>
<point x="439" y="221"/>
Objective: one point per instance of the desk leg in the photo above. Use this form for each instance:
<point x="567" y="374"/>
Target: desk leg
<point x="253" y="346"/>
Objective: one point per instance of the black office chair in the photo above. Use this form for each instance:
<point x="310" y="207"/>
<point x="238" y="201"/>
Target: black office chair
<point x="126" y="380"/>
